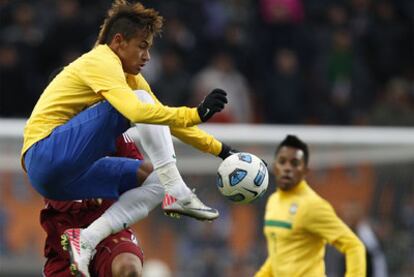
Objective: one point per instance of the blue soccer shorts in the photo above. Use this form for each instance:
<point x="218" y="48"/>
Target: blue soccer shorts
<point x="74" y="161"/>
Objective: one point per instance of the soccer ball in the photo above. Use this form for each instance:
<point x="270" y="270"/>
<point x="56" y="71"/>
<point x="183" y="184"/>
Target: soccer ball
<point x="242" y="177"/>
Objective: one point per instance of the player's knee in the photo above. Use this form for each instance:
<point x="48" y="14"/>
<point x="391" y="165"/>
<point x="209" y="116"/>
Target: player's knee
<point x="144" y="171"/>
<point x="144" y="96"/>
<point x="126" y="265"/>
<point x="147" y="167"/>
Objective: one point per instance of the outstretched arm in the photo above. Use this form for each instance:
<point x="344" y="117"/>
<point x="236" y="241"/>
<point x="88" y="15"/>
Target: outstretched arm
<point x="193" y="135"/>
<point x="126" y="102"/>
<point x="107" y="78"/>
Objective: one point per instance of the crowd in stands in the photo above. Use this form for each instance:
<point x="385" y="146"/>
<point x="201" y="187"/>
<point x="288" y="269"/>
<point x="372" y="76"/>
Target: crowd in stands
<point x="341" y="62"/>
<point x="286" y="62"/>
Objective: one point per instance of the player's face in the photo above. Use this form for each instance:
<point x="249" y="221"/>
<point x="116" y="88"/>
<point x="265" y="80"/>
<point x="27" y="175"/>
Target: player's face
<point x="289" y="167"/>
<point x="134" y="53"/>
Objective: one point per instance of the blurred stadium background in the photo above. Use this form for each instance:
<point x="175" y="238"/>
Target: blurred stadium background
<point x="339" y="73"/>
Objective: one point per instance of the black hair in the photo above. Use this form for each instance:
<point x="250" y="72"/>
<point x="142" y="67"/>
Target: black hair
<point x="294" y="142"/>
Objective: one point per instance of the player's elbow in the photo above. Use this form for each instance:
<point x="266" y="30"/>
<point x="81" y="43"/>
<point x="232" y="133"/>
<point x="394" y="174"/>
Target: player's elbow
<point x="361" y="247"/>
<point x="358" y="245"/>
<point x="356" y="259"/>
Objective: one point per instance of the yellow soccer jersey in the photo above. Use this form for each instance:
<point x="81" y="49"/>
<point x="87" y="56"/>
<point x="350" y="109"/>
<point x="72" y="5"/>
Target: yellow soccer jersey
<point x="98" y="75"/>
<point x="298" y="223"/>
<point x="190" y="135"/>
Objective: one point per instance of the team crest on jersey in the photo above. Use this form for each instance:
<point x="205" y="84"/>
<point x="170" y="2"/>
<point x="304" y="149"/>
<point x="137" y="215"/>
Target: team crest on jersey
<point x="293" y="208"/>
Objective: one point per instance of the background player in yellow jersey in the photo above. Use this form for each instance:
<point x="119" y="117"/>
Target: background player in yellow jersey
<point x="298" y="222"/>
<point x="75" y="123"/>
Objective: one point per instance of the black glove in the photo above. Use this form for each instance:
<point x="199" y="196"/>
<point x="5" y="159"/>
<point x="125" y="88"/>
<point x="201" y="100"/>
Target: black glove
<point x="226" y="151"/>
<point x="212" y="103"/>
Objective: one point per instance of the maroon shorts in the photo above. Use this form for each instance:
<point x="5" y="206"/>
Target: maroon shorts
<point x="101" y="264"/>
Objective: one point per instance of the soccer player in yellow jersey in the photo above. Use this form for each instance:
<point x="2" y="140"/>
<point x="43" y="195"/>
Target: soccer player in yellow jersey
<point x="74" y="125"/>
<point x="298" y="222"/>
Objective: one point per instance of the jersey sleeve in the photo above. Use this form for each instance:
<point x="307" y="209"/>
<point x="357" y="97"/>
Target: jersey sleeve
<point x="104" y="75"/>
<point x="193" y="136"/>
<point x="322" y="221"/>
<point x="265" y="270"/>
<point x="354" y="251"/>
<point x="126" y="102"/>
<point x="197" y="138"/>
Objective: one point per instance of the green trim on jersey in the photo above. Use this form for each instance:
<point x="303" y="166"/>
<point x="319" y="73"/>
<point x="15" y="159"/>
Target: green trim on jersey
<point x="278" y="223"/>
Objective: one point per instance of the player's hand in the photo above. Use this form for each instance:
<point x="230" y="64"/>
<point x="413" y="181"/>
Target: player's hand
<point x="226" y="151"/>
<point x="212" y="103"/>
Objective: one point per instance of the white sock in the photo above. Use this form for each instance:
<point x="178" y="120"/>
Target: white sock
<point x="157" y="143"/>
<point x="132" y="206"/>
<point x="171" y="179"/>
<point x="97" y="231"/>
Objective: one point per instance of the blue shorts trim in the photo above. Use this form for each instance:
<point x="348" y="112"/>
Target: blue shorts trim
<point x="73" y="163"/>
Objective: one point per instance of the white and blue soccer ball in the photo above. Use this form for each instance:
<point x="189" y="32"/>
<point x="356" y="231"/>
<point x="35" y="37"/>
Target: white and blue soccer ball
<point x="242" y="177"/>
